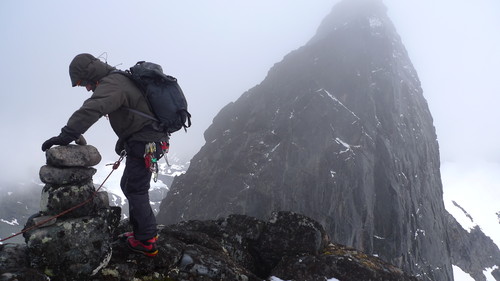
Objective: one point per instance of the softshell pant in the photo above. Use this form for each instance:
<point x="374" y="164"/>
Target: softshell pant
<point x="135" y="184"/>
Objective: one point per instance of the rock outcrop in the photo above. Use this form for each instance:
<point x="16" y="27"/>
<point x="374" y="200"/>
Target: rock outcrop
<point x="288" y="246"/>
<point x="340" y="131"/>
<point x="472" y="250"/>
<point x="77" y="243"/>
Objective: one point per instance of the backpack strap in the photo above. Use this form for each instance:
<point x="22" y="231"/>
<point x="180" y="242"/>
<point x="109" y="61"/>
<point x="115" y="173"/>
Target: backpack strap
<point x="129" y="76"/>
<point x="141" y="113"/>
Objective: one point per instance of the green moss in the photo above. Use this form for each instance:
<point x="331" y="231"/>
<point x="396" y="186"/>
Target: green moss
<point x="48" y="272"/>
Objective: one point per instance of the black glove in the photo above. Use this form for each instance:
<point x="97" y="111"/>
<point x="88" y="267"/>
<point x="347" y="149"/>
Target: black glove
<point x="119" y="147"/>
<point x="64" y="138"/>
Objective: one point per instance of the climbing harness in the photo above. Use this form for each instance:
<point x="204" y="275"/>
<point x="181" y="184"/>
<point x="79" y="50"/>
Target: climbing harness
<point x="37" y="225"/>
<point x="150" y="157"/>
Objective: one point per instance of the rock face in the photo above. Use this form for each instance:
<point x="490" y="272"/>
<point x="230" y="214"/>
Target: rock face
<point x="287" y="245"/>
<point x="339" y="131"/>
<point x="78" y="243"/>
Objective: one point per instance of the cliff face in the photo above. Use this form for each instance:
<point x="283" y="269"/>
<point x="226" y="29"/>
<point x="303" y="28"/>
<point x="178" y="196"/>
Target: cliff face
<point x="339" y="131"/>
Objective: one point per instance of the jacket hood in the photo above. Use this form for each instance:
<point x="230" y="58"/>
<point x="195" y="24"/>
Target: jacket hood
<point x="87" y="67"/>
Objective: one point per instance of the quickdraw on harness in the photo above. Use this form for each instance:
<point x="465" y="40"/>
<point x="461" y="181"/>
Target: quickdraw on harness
<point x="150" y="157"/>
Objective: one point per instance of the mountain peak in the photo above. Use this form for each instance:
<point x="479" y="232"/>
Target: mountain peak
<point x="340" y="131"/>
<point x="349" y="12"/>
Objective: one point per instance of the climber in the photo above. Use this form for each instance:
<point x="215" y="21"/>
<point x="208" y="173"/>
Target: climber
<point x="111" y="93"/>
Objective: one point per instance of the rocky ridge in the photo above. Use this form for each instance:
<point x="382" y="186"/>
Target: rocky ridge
<point x="84" y="244"/>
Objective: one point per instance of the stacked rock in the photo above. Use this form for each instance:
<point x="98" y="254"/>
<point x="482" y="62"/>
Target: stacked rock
<point x="78" y="243"/>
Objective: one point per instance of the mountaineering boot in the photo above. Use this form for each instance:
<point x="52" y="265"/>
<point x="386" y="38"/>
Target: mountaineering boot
<point x="147" y="247"/>
<point x="126" y="235"/>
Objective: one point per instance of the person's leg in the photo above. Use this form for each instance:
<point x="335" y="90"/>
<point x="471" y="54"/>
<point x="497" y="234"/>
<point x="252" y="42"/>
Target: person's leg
<point x="135" y="184"/>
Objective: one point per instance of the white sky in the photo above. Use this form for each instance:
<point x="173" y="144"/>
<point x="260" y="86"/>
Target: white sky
<point x="219" y="49"/>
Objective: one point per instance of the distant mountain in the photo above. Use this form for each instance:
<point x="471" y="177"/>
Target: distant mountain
<point x="18" y="201"/>
<point x="339" y="131"/>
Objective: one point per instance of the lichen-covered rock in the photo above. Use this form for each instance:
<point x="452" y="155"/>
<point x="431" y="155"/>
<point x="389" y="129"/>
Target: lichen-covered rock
<point x="12" y="256"/>
<point x="65" y="175"/>
<point x="77" y="247"/>
<point x="289" y="234"/>
<point x="188" y="251"/>
<point x="14" y="264"/>
<point x="56" y="199"/>
<point x="288" y="245"/>
<point x="234" y="248"/>
<point x="73" y="156"/>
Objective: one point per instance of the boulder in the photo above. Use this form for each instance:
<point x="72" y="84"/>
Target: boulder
<point x="65" y="175"/>
<point x="73" y="156"/>
<point x="56" y="199"/>
<point x="76" y="247"/>
<point x="289" y="234"/>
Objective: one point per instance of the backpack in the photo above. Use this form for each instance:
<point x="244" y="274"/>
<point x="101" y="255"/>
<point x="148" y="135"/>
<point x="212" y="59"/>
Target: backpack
<point x="163" y="94"/>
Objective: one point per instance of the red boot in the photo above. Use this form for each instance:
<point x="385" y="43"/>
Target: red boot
<point x="147" y="247"/>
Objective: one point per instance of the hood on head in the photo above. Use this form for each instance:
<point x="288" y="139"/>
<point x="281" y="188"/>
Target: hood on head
<point x="87" y="67"/>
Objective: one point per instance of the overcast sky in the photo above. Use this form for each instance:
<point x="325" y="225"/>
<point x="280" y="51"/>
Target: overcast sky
<point x="219" y="49"/>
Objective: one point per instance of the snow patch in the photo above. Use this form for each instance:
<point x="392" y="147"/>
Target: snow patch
<point x="487" y="273"/>
<point x="461" y="275"/>
<point x="462" y="217"/>
<point x="337" y="101"/>
<point x="419" y="232"/>
<point x="12" y="222"/>
<point x="346" y="145"/>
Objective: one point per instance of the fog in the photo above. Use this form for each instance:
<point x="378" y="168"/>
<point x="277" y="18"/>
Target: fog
<point x="219" y="49"/>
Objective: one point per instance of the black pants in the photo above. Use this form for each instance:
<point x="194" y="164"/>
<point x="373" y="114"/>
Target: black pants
<point x="135" y="184"/>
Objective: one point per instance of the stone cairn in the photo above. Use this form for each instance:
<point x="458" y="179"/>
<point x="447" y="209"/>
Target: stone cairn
<point x="78" y="243"/>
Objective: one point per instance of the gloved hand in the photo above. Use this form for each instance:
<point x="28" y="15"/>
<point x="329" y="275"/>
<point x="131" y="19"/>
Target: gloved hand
<point x="64" y="138"/>
<point x="119" y="147"/>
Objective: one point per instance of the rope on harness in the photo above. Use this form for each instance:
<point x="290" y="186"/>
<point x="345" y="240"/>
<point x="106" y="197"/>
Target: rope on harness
<point x="115" y="166"/>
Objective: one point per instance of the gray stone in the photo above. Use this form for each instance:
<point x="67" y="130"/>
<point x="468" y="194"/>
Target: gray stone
<point x="65" y="175"/>
<point x="56" y="199"/>
<point x="73" y="156"/>
<point x="44" y="221"/>
<point x="72" y="247"/>
<point x="289" y="234"/>
<point x="12" y="256"/>
<point x="102" y="199"/>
